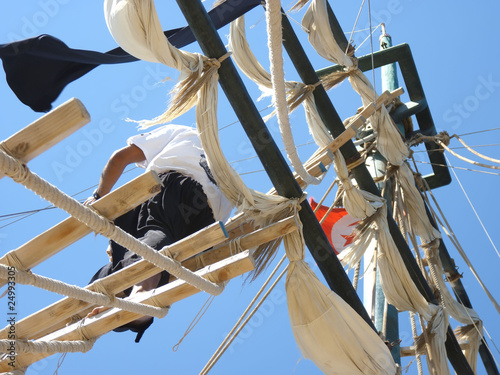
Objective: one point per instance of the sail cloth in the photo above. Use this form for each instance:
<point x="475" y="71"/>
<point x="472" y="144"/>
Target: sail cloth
<point x="389" y="141"/>
<point x="39" y="68"/>
<point x="327" y="330"/>
<point x="399" y="288"/>
<point x="140" y="34"/>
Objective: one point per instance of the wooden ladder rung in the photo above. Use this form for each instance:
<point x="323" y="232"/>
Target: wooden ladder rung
<point x="165" y="295"/>
<point x="387" y="97"/>
<point x="247" y="241"/>
<point x="48" y="130"/>
<point x="71" y="230"/>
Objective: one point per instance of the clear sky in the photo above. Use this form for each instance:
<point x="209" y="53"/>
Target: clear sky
<point x="456" y="51"/>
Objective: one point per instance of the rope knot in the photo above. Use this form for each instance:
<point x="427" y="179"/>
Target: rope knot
<point x="312" y="87"/>
<point x="353" y="68"/>
<point x="99" y="287"/>
<point x="13" y="260"/>
<point x="431" y="249"/>
<point x="444" y="137"/>
<point x="216" y="62"/>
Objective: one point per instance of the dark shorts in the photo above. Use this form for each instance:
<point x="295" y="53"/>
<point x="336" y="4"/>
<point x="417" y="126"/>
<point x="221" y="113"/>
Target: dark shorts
<point x="178" y="210"/>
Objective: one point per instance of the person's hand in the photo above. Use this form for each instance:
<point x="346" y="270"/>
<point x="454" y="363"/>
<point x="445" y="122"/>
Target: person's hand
<point x="95" y="196"/>
<point x="89" y="201"/>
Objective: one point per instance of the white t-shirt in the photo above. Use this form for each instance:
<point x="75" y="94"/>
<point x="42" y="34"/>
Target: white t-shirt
<point x="178" y="148"/>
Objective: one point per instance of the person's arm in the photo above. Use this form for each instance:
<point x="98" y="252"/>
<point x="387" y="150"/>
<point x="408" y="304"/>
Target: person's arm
<point x="114" y="168"/>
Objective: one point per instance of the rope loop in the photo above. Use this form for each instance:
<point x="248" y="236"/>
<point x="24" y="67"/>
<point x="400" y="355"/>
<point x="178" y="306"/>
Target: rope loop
<point x="235" y="246"/>
<point x="13" y="260"/>
<point x="99" y="287"/>
<point x="312" y="87"/>
<point x="431" y="249"/>
<point x="81" y="331"/>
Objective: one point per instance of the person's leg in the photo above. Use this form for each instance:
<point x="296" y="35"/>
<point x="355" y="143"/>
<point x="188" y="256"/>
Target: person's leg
<point x="180" y="209"/>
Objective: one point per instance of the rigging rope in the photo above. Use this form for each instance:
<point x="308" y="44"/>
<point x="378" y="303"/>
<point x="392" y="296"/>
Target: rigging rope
<point x="241" y="323"/>
<point x="451" y="234"/>
<point x="475" y="212"/>
<point x="456" y="167"/>
<point x="475" y="152"/>
<point x="72" y="291"/>
<point x="354" y="27"/>
<point x="479" y="131"/>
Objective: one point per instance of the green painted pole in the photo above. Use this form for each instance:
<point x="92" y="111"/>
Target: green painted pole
<point x="386" y="315"/>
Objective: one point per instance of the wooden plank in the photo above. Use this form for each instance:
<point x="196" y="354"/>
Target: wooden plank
<point x="166" y="295"/>
<point x="387" y="97"/>
<point x="48" y="130"/>
<point x="409" y="351"/>
<point x="71" y="230"/>
<point x="248" y="241"/>
<point x="42" y="321"/>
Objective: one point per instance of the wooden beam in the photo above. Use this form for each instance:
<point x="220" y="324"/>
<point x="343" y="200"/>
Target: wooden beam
<point x="43" y="321"/>
<point x="387" y="97"/>
<point x="248" y="241"/>
<point x="48" y="130"/>
<point x="166" y="295"/>
<point x="409" y="351"/>
<point x="71" y="230"/>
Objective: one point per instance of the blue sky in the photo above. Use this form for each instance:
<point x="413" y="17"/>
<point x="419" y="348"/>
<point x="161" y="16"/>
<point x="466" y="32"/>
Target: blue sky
<point x="456" y="50"/>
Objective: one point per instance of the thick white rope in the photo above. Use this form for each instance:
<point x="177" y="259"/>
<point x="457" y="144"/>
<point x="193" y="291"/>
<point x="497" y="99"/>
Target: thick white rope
<point x="274" y="41"/>
<point x="21" y="174"/>
<point x="251" y="67"/>
<point x="415" y="338"/>
<point x="73" y="291"/>
<point x="39" y="346"/>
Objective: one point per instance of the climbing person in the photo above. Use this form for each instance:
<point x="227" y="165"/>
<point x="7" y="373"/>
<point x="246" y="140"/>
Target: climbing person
<point x="188" y="201"/>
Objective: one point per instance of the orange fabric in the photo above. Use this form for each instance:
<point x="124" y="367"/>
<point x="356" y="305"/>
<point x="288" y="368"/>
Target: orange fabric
<point x="338" y="226"/>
